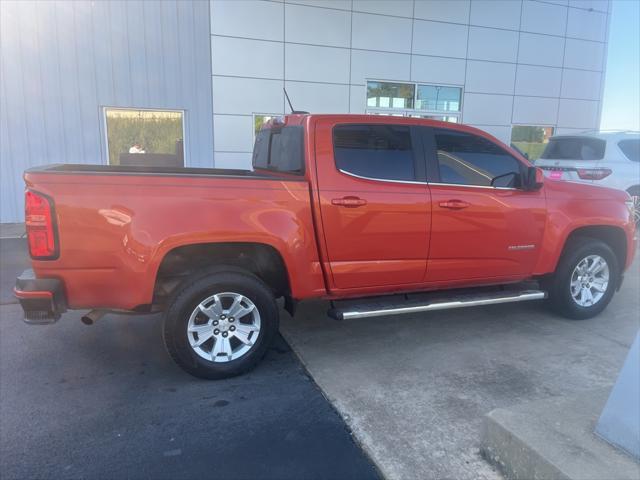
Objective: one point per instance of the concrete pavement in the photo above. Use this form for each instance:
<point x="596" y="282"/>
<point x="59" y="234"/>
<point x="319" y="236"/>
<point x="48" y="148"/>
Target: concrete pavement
<point x="414" y="388"/>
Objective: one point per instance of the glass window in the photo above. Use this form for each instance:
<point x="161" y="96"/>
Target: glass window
<point x="530" y="141"/>
<point x="574" y="148"/>
<point x="390" y="95"/>
<point x="631" y="149"/>
<point x="439" y="99"/>
<point x="280" y="149"/>
<point x="259" y="120"/>
<point x="374" y="151"/>
<point x="467" y="159"/>
<point x="145" y="137"/>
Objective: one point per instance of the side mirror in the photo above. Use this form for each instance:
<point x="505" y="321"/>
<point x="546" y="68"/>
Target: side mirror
<point x="534" y="179"/>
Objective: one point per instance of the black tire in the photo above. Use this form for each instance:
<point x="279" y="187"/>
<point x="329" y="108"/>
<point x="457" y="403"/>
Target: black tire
<point x="558" y="286"/>
<point x="194" y="291"/>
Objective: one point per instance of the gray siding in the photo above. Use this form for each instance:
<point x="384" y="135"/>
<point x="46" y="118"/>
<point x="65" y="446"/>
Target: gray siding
<point x="61" y="62"/>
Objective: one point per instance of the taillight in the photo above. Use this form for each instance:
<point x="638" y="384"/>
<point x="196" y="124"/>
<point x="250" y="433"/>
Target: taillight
<point x="41" y="230"/>
<point x="593" y="173"/>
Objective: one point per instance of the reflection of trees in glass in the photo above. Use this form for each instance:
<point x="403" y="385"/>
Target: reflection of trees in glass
<point x="531" y="140"/>
<point x="155" y="132"/>
<point x="391" y="90"/>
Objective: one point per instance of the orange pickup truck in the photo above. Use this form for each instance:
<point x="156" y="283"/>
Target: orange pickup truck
<point x="380" y="215"/>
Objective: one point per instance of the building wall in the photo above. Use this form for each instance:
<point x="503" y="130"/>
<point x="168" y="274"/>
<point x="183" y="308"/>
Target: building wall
<point x="519" y="62"/>
<point x="62" y="62"/>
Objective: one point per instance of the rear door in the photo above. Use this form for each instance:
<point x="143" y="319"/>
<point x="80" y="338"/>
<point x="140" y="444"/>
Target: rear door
<point x="484" y="226"/>
<point x="374" y="203"/>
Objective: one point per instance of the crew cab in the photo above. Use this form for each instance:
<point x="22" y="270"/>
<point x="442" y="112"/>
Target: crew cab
<point x="380" y="215"/>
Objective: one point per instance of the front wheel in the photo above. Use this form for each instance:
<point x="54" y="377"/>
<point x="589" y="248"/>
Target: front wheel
<point x="220" y="323"/>
<point x="585" y="279"/>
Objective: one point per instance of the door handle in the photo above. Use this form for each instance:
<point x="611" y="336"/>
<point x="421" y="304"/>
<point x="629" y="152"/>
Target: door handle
<point x="454" y="204"/>
<point x="349" y="202"/>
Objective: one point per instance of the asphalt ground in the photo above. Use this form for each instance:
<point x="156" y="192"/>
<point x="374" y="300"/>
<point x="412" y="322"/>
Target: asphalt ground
<point x="106" y="401"/>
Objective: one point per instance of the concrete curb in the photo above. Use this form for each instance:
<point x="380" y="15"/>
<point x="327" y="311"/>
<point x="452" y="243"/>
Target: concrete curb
<point x="554" y="439"/>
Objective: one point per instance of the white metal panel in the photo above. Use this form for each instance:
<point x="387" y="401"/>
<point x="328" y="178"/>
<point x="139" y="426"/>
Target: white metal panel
<point x="233" y="160"/>
<point x="443" y="10"/>
<point x="318" y="26"/>
<point x="233" y="95"/>
<point x="535" y="111"/>
<point x="588" y="25"/>
<point x="492" y="44"/>
<point x="247" y="58"/>
<point x="490" y="77"/>
<point x="377" y="32"/>
<point x="378" y="65"/>
<point x="578" y="113"/>
<point x="339" y="4"/>
<point x="496" y="13"/>
<point x="531" y="45"/>
<point x="316" y="64"/>
<point x="234" y="133"/>
<point x="447" y="71"/>
<point x="484" y="109"/>
<point x="539" y="81"/>
<point x="249" y="18"/>
<point x="581" y="84"/>
<point x="441" y="39"/>
<point x="397" y="8"/>
<point x="63" y="61"/>
<point x="584" y="54"/>
<point x="319" y="97"/>
<point x="539" y="17"/>
<point x="357" y="99"/>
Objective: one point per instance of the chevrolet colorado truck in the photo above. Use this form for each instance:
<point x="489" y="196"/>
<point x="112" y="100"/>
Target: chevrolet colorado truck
<point x="380" y="215"/>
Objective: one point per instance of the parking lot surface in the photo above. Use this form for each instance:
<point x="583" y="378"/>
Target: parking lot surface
<point x="107" y="402"/>
<point x="414" y="388"/>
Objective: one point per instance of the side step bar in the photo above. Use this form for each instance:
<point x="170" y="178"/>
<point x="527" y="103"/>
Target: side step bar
<point x="380" y="309"/>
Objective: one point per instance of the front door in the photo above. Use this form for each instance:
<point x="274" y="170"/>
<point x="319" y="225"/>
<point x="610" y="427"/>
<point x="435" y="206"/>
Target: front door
<point x="484" y="225"/>
<point x="374" y="203"/>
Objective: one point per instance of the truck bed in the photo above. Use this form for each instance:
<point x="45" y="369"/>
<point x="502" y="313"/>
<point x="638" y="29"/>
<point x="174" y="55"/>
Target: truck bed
<point x="116" y="224"/>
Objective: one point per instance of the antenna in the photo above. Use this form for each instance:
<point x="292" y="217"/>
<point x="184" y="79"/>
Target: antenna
<point x="289" y="101"/>
<point x="287" y="95"/>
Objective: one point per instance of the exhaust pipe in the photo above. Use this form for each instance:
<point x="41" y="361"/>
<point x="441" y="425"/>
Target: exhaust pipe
<point x="92" y="317"/>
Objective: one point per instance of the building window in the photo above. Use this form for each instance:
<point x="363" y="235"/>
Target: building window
<point x="436" y="102"/>
<point x="380" y="152"/>
<point x="153" y="138"/>
<point x="530" y="140"/>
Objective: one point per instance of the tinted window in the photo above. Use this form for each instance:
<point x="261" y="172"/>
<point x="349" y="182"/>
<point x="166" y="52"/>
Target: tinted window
<point x="374" y="151"/>
<point x="574" y="148"/>
<point x="279" y="149"/>
<point x="631" y="149"/>
<point x="467" y="159"/>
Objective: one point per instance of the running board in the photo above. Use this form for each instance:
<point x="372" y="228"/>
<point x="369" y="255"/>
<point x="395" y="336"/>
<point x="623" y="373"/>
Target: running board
<point x="381" y="308"/>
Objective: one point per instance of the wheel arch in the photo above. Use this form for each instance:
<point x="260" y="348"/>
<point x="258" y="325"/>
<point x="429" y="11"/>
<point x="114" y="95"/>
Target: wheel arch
<point x="261" y="259"/>
<point x="615" y="237"/>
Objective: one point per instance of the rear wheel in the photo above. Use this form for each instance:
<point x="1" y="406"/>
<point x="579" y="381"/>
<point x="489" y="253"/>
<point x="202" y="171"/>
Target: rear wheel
<point x="585" y="279"/>
<point x="220" y="323"/>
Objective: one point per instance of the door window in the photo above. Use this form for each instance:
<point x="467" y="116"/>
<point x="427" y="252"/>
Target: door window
<point x="381" y="152"/>
<point x="466" y="159"/>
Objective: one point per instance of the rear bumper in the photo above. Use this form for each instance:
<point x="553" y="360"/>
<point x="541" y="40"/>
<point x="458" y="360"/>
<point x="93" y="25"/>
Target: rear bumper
<point x="42" y="299"/>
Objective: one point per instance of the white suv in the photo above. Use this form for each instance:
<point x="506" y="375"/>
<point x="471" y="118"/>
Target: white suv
<point x="610" y="159"/>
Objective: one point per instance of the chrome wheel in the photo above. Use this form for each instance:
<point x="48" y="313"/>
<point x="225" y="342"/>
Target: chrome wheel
<point x="223" y="327"/>
<point x="589" y="280"/>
